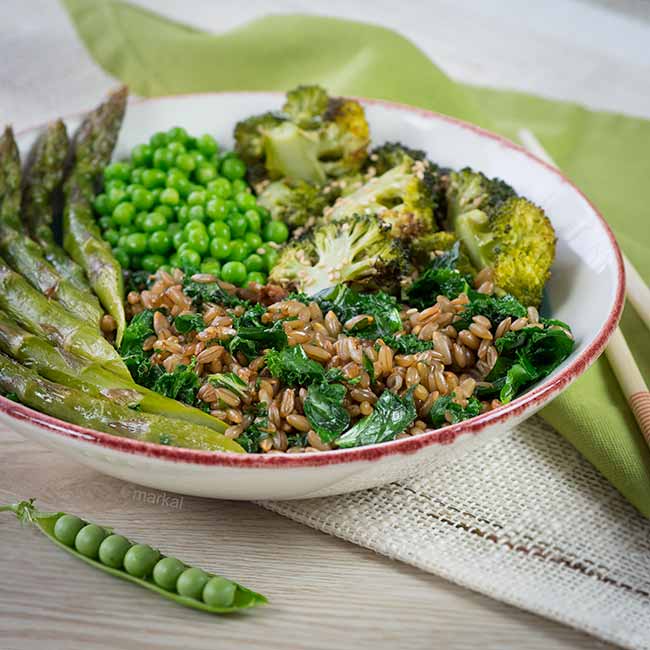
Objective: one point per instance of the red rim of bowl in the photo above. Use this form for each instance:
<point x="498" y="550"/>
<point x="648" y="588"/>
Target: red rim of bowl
<point x="530" y="401"/>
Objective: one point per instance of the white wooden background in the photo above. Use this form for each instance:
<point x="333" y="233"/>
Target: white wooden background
<point x="325" y="593"/>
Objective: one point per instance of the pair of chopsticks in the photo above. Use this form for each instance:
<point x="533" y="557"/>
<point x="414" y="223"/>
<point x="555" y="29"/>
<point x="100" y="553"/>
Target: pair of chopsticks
<point x="618" y="353"/>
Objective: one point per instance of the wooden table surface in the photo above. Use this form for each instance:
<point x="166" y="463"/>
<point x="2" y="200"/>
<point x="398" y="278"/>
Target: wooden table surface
<point x="325" y="593"/>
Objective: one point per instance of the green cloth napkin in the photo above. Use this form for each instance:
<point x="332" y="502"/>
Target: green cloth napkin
<point x="605" y="154"/>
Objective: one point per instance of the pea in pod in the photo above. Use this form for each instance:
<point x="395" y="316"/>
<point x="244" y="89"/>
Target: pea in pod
<point x="138" y="563"/>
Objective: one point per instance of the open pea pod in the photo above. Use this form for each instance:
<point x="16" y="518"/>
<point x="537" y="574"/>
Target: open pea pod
<point x="138" y="563"/>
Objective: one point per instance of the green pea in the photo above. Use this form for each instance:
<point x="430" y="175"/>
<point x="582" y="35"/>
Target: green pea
<point x="128" y="229"/>
<point x="253" y="240"/>
<point x="178" y="239"/>
<point x="152" y="262"/>
<point x="88" y="540"/>
<point x="255" y="277"/>
<point x="154" y="221"/>
<point x="122" y="257"/>
<point x="265" y="215"/>
<point x="115" y="184"/>
<point x="186" y="163"/>
<point x="105" y="222"/>
<point x="197" y="213"/>
<point x="245" y="200"/>
<point x="196" y="198"/>
<point x="166" y="210"/>
<point x="216" y="208"/>
<point x="138" y="221"/>
<point x="191" y="582"/>
<point x="169" y="196"/>
<point x="159" y="139"/>
<point x="142" y="198"/>
<point x="276" y="231"/>
<point x="220" y="248"/>
<point x="112" y="551"/>
<point x="115" y="196"/>
<point x="238" y="225"/>
<point x="233" y="168"/>
<point x="123" y="214"/>
<point x="205" y="172"/>
<point x="176" y="148"/>
<point x="219" y="592"/>
<point x="136" y="174"/>
<point x="167" y="571"/>
<point x="189" y="258"/>
<point x="159" y="242"/>
<point x="270" y="258"/>
<point x="207" y="145"/>
<point x="173" y="228"/>
<point x="142" y="155"/>
<point x="177" y="133"/>
<point x="183" y="214"/>
<point x="163" y="159"/>
<point x="102" y="204"/>
<point x="174" y="261"/>
<point x="219" y="229"/>
<point x="140" y="560"/>
<point x="198" y="240"/>
<point x="234" y="272"/>
<point x="111" y="236"/>
<point x="254" y="220"/>
<point x="117" y="171"/>
<point x="211" y="266"/>
<point x="67" y="527"/>
<point x="238" y="250"/>
<point x="153" y="178"/>
<point x="198" y="157"/>
<point x="136" y="243"/>
<point x="254" y="262"/>
<point x="220" y="187"/>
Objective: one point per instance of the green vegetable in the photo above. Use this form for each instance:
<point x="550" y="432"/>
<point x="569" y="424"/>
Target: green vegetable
<point x="67" y="527"/>
<point x="360" y="250"/>
<point x="526" y="356"/>
<point x="324" y="409"/>
<point x="346" y="304"/>
<point x="141" y="564"/>
<point x="499" y="230"/>
<point x="203" y="292"/>
<point x="407" y="343"/>
<point x="392" y="415"/>
<point x="42" y="178"/>
<point x="26" y="256"/>
<point x="404" y="197"/>
<point x="185" y="323"/>
<point x="293" y="202"/>
<point x="253" y="336"/>
<point x="230" y="381"/>
<point x="50" y="320"/>
<point x="445" y="404"/>
<point x="103" y="414"/>
<point x="75" y="372"/>
<point x="93" y="146"/>
<point x="293" y="367"/>
<point x="181" y="384"/>
<point x="327" y="140"/>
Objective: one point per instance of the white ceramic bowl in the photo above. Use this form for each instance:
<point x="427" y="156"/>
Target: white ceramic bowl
<point x="586" y="290"/>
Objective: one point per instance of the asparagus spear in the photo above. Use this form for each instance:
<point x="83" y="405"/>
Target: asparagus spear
<point x="10" y="180"/>
<point x="24" y="255"/>
<point x="104" y="415"/>
<point x="42" y="177"/>
<point x="93" y="146"/>
<point x="75" y="372"/>
<point x="49" y="319"/>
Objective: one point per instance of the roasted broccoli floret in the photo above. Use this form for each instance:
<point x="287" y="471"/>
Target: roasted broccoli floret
<point x="359" y="250"/>
<point x="314" y="139"/>
<point x="402" y="197"/>
<point x="297" y="203"/>
<point x="391" y="154"/>
<point x="425" y="248"/>
<point x="502" y="231"/>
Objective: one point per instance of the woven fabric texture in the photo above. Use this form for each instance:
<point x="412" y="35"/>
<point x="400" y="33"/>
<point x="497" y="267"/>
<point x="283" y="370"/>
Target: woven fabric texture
<point x="524" y="519"/>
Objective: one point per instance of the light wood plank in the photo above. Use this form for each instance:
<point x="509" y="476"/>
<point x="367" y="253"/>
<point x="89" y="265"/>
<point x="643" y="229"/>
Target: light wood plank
<point x="325" y="593"/>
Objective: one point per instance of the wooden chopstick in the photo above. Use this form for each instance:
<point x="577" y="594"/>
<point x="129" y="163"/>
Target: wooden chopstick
<point x="618" y="352"/>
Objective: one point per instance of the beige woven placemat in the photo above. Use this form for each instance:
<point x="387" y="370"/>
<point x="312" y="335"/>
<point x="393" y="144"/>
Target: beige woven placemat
<point x="523" y="519"/>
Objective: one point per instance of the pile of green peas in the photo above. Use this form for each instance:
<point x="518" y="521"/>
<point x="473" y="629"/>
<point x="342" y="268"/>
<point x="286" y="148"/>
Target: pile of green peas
<point x="181" y="203"/>
<point x="142" y="561"/>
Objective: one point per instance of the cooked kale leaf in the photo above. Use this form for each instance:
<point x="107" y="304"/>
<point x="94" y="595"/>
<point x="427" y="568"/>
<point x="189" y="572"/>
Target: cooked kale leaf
<point x="324" y="410"/>
<point x="185" y="323"/>
<point x="392" y="415"/>
<point x="444" y="405"/>
<point x="293" y="367"/>
<point x="135" y="358"/>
